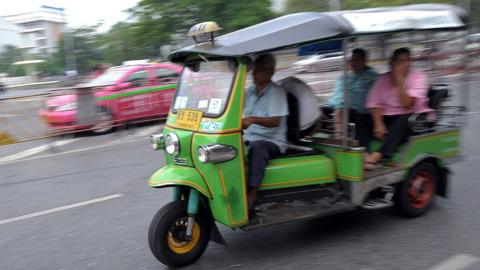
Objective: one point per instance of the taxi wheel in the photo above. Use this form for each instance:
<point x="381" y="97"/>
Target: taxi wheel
<point x="415" y="195"/>
<point x="105" y="122"/>
<point x="166" y="235"/>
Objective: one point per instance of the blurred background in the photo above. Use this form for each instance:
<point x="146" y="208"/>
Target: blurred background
<point x="46" y="50"/>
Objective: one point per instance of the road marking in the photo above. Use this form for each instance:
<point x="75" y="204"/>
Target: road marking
<point x="317" y="82"/>
<point x="8" y="115"/>
<point x="36" y="150"/>
<point x="113" y="143"/>
<point x="58" y="209"/>
<point x="457" y="262"/>
<point x="148" y="131"/>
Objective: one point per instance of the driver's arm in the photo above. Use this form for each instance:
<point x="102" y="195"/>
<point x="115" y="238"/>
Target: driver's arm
<point x="269" y="122"/>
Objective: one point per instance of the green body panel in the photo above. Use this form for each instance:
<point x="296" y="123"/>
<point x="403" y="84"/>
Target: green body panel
<point x="298" y="171"/>
<point x="185" y="137"/>
<point x="172" y="175"/>
<point x="231" y="120"/>
<point x="445" y="144"/>
<point x="348" y="163"/>
<point x="138" y="92"/>
<point x="225" y="180"/>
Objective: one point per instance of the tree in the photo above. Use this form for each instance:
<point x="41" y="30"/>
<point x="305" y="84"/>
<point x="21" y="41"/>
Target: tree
<point x="312" y="5"/>
<point x="157" y="21"/>
<point x="306" y="5"/>
<point x="8" y="56"/>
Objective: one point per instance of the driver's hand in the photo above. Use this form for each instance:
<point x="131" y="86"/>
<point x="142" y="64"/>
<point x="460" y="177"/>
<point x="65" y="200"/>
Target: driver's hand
<point x="380" y="131"/>
<point x="247" y="121"/>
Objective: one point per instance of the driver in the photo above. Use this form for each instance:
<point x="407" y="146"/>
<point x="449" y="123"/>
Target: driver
<point x="264" y="121"/>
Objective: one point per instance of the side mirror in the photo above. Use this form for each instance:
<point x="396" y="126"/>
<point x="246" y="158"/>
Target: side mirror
<point x="124" y="85"/>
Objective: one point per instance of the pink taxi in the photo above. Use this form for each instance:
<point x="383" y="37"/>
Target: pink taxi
<point x="132" y="93"/>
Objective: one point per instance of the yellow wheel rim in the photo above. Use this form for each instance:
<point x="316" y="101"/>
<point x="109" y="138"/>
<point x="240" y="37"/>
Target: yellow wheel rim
<point x="182" y="247"/>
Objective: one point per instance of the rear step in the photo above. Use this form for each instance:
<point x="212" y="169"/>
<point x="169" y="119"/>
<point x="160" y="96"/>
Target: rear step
<point x="278" y="213"/>
<point x="383" y="200"/>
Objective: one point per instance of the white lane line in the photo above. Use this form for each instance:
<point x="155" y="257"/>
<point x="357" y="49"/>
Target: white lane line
<point x="457" y="262"/>
<point x="317" y="82"/>
<point x="58" y="209"/>
<point x="8" y="115"/>
<point x="36" y="150"/>
<point x="113" y="143"/>
<point x="148" y="131"/>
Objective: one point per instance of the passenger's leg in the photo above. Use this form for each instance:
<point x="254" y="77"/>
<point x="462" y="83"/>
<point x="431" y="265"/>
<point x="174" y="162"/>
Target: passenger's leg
<point x="259" y="153"/>
<point x="398" y="132"/>
<point x="363" y="129"/>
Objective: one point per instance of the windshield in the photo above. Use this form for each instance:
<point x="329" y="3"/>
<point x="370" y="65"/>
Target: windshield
<point x="205" y="86"/>
<point x="108" y="78"/>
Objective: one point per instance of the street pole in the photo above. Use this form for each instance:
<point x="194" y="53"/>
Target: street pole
<point x="69" y="47"/>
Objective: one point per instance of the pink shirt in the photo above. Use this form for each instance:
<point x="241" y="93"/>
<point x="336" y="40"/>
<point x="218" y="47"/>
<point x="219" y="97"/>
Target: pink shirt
<point x="384" y="94"/>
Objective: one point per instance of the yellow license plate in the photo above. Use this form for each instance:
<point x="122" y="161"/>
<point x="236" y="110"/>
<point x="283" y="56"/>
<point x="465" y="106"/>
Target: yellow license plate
<point x="188" y="119"/>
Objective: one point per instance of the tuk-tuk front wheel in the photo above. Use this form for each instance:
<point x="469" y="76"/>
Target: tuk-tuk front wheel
<point x="167" y="235"/>
<point x="415" y="195"/>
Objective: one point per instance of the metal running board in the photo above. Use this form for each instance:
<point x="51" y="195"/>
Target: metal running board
<point x="381" y="201"/>
<point x="278" y="213"/>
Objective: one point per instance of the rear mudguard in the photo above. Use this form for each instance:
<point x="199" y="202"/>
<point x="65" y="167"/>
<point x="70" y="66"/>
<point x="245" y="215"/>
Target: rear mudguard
<point x="172" y="175"/>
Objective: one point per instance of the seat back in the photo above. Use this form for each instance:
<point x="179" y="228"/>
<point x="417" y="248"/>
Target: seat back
<point x="303" y="108"/>
<point x="293" y="119"/>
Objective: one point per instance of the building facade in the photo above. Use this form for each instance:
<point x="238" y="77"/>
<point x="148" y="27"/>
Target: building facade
<point x="9" y="35"/>
<point x="40" y="30"/>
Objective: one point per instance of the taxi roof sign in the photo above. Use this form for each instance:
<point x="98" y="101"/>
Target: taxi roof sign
<point x="203" y="28"/>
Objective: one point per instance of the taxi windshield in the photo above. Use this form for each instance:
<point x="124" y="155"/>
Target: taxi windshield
<point x="205" y="86"/>
<point x="108" y="78"/>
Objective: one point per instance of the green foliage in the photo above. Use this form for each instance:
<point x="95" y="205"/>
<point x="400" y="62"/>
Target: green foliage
<point x="357" y="4"/>
<point x="322" y="5"/>
<point x="155" y="23"/>
<point x="158" y="20"/>
<point x="306" y="5"/>
<point x="8" y="56"/>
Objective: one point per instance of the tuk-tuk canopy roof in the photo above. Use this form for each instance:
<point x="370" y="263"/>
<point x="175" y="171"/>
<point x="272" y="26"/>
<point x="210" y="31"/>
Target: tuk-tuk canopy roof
<point x="309" y="27"/>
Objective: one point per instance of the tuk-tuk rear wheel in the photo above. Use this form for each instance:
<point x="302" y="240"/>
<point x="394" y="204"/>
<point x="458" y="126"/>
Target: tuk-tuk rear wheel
<point x="167" y="239"/>
<point x="415" y="195"/>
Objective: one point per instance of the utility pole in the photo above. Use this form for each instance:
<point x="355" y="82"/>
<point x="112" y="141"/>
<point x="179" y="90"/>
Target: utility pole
<point x="334" y="5"/>
<point x="69" y="48"/>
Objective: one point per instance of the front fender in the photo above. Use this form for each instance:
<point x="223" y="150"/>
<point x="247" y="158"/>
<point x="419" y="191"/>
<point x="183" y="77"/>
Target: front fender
<point x="172" y="175"/>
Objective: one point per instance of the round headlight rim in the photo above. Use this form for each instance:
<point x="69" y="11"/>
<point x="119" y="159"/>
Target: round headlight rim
<point x="175" y="141"/>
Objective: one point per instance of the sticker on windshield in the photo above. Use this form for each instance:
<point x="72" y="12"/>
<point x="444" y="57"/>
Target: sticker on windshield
<point x="183" y="102"/>
<point x="203" y="104"/>
<point x="215" y="105"/>
<point x="177" y="102"/>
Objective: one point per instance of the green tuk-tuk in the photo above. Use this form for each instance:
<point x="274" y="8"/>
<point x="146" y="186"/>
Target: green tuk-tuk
<point x="206" y="155"/>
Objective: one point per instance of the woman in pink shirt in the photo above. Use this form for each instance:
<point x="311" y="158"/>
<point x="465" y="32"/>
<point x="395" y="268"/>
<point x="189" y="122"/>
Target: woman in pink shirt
<point x="394" y="97"/>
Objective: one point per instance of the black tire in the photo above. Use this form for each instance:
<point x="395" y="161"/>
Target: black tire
<point x="415" y="195"/>
<point x="160" y="233"/>
<point x="106" y="122"/>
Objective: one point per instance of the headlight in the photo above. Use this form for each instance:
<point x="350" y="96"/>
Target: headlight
<point x="172" y="144"/>
<point x="157" y="141"/>
<point x="202" y="154"/>
<point x="67" y="107"/>
<point x="216" y="153"/>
